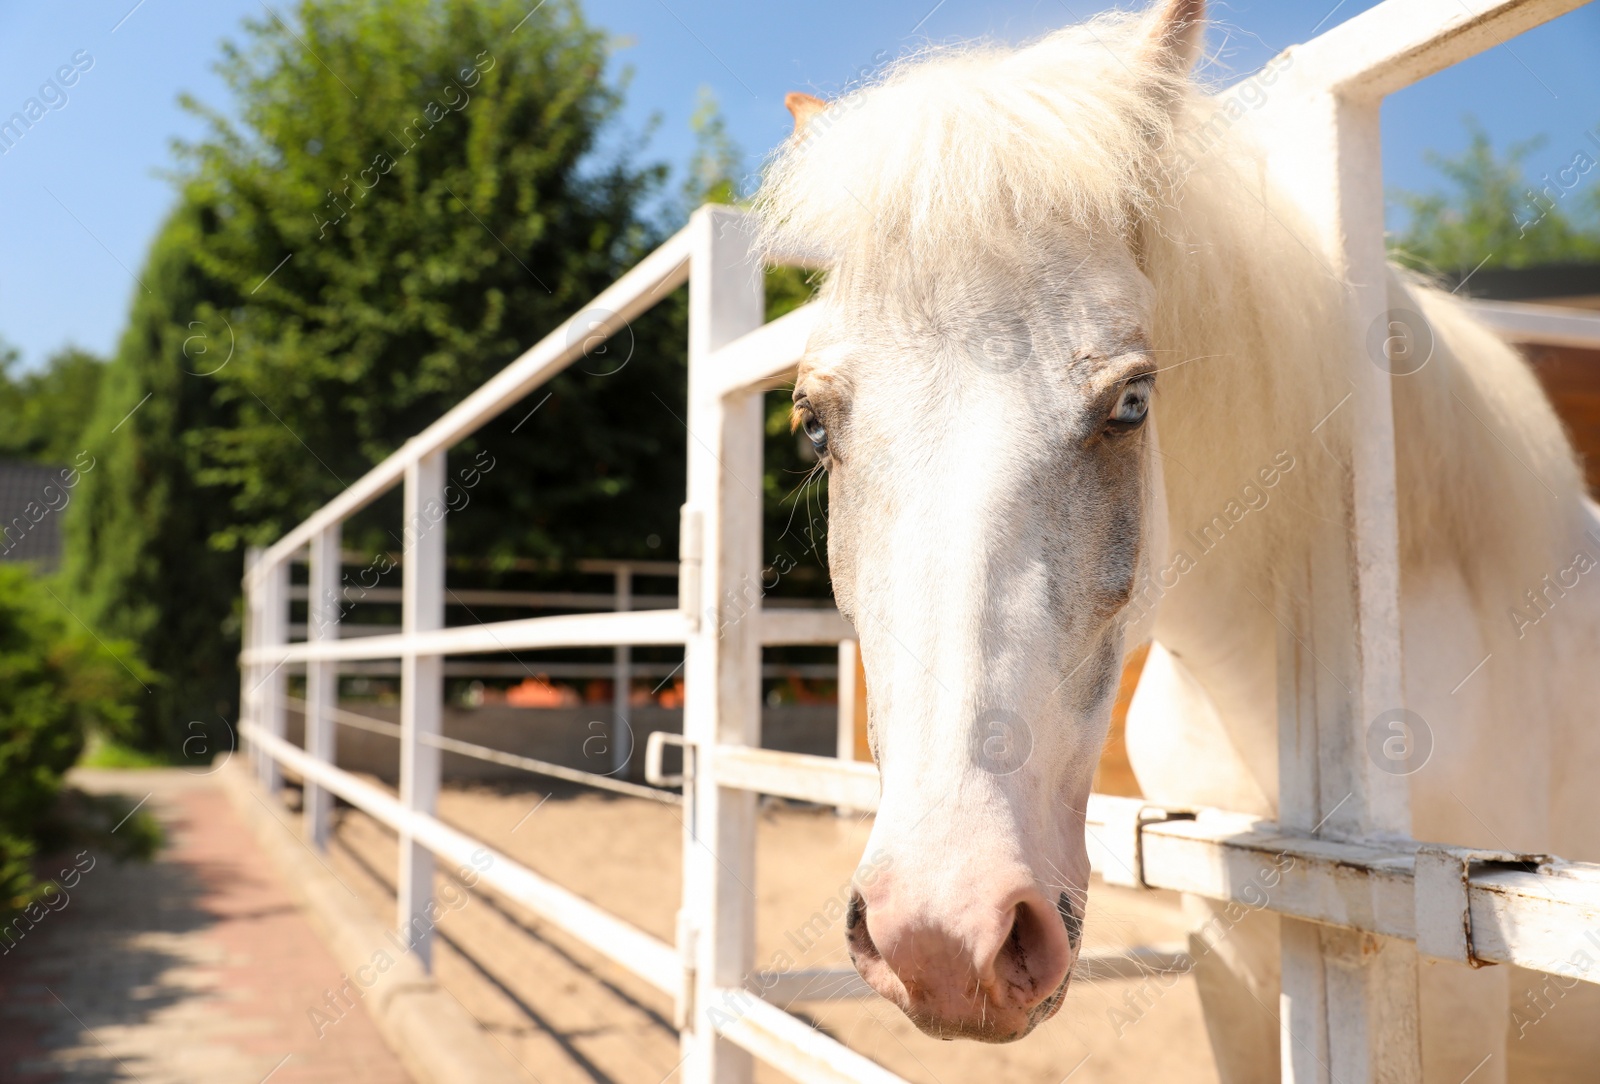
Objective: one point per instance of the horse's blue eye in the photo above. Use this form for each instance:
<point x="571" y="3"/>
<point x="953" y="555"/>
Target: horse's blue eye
<point x="815" y="433"/>
<point x="1134" y="402"/>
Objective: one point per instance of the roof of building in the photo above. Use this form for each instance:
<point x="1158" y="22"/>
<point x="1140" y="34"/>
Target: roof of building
<point x="1570" y="285"/>
<point x="31" y="500"/>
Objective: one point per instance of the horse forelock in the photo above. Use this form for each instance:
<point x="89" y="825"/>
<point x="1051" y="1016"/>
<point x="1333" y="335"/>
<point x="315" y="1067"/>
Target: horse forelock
<point x="955" y="150"/>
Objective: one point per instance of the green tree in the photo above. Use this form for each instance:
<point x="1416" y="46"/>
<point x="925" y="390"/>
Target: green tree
<point x="794" y="490"/>
<point x="1496" y="216"/>
<point x="415" y="192"/>
<point x="713" y="173"/>
<point x="46" y="409"/>
<point x="418" y="195"/>
<point x="138" y="556"/>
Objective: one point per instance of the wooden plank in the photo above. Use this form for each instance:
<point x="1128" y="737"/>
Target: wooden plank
<point x="322" y="678"/>
<point x="766" y="354"/>
<point x="722" y="658"/>
<point x="622" y="681"/>
<point x="797" y="626"/>
<point x="1400" y="42"/>
<point x="1548" y="922"/>
<point x="565" y="630"/>
<point x="650" y="280"/>
<point x="658" y="627"/>
<point x="847" y="696"/>
<point x="421" y="691"/>
<point x="863" y="728"/>
<point x="1224" y="856"/>
<point x="1351" y="1011"/>
<point x="1536" y="920"/>
<point x="1546" y="325"/>
<point x="801" y="1051"/>
<point x="808" y="985"/>
<point x="651" y="959"/>
<point x="272" y="621"/>
<point x="805" y="778"/>
<point x="532" y="600"/>
<point x="250" y="674"/>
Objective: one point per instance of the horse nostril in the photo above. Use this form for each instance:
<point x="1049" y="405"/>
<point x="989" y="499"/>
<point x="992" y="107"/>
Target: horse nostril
<point x="1031" y="963"/>
<point x="1071" y="918"/>
<point x="857" y="937"/>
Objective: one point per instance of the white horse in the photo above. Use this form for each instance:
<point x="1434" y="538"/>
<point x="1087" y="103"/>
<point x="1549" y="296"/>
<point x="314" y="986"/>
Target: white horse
<point x="1039" y="255"/>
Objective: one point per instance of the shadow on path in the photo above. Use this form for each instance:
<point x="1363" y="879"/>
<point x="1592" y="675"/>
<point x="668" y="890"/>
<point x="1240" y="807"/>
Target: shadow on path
<point x="196" y="966"/>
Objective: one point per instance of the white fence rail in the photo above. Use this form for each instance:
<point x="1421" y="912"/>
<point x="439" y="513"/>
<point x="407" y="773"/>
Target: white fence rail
<point x="1445" y="902"/>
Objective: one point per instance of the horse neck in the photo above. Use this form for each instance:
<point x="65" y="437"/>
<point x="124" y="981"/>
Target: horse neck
<point x="1254" y="347"/>
<point x="1259" y="347"/>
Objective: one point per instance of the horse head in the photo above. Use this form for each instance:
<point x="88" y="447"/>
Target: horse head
<point x="980" y="387"/>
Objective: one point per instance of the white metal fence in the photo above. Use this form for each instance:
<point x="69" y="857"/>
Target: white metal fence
<point x="1355" y="998"/>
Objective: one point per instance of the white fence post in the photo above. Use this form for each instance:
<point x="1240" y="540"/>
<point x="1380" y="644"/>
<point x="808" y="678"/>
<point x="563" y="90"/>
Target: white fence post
<point x="622" y="681"/>
<point x="852" y="718"/>
<point x="421" y="688"/>
<point x="844" y="744"/>
<point x="272" y="632"/>
<point x="323" y="599"/>
<point x="1348" y="1003"/>
<point x="250" y="672"/>
<point x="722" y="660"/>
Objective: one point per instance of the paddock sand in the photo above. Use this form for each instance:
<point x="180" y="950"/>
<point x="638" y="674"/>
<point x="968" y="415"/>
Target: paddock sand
<point x="566" y="1014"/>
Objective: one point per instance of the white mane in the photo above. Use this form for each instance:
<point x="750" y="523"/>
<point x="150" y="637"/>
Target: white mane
<point x="974" y="150"/>
<point x="961" y="147"/>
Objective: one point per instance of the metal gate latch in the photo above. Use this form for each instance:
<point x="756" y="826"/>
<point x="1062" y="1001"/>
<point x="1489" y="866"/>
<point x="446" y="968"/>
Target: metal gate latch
<point x="1124" y="838"/>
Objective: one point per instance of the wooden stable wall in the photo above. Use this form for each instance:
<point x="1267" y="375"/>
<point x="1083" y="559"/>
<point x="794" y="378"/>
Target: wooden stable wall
<point x="1571" y="377"/>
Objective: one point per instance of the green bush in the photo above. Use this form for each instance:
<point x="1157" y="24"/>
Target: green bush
<point x="58" y="682"/>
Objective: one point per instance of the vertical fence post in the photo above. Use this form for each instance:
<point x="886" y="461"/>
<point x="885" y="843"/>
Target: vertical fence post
<point x="272" y="630"/>
<point x="1349" y="1008"/>
<point x="622" y="681"/>
<point x="844" y="746"/>
<point x="323" y="600"/>
<point x="421" y="688"/>
<point x="850" y="741"/>
<point x="249" y="638"/>
<point x="722" y="660"/>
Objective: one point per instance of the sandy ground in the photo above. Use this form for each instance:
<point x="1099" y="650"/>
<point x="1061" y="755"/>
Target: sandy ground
<point x="565" y="1014"/>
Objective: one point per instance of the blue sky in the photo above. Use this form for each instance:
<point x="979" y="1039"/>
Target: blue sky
<point x="82" y="195"/>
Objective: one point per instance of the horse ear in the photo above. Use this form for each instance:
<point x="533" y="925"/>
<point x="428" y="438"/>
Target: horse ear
<point x="803" y="107"/>
<point x="1173" y="32"/>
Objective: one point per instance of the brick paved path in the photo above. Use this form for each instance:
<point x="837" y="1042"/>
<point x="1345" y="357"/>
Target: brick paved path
<point x="194" y="968"/>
